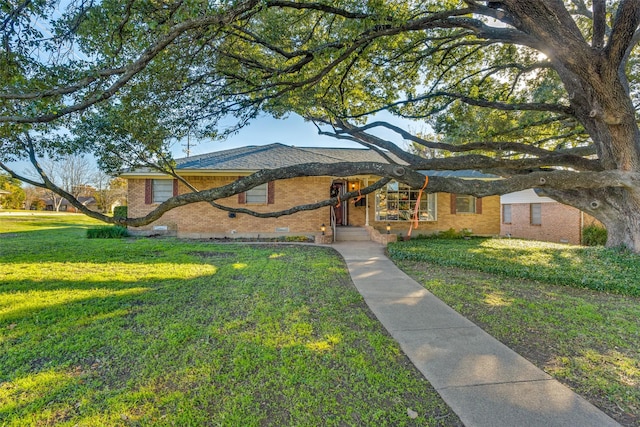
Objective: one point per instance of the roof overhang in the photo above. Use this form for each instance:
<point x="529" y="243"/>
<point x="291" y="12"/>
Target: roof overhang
<point x="142" y="174"/>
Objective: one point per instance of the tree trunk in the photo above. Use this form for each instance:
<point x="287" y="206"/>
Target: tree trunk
<point x="625" y="232"/>
<point x="601" y="102"/>
<point x="620" y="214"/>
<point x="617" y="208"/>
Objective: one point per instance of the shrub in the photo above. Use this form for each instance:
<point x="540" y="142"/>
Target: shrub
<point x="303" y="239"/>
<point x="593" y="235"/>
<point x="447" y="234"/>
<point x="107" y="232"/>
<point x="120" y="212"/>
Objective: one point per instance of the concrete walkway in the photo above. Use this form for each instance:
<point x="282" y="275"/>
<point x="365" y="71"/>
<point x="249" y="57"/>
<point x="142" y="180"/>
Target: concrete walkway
<point x="484" y="382"/>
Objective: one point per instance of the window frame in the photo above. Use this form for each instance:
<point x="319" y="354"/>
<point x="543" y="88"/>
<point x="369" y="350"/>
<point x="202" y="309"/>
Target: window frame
<point x="395" y="202"/>
<point x="471" y="203"/>
<point x="262" y="191"/>
<point x="532" y="219"/>
<point x="155" y="193"/>
<point x="504" y="215"/>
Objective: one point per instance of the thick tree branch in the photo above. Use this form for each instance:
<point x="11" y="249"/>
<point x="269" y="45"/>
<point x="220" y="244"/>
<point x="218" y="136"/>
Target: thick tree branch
<point x="307" y="207"/>
<point x="318" y="7"/>
<point x="624" y="28"/>
<point x="599" y="23"/>
<point x="558" y="180"/>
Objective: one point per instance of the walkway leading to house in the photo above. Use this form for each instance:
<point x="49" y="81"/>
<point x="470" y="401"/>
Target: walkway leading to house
<point x="482" y="380"/>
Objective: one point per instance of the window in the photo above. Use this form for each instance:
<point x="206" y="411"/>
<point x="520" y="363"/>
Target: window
<point x="506" y="214"/>
<point x="257" y="195"/>
<point x="536" y="214"/>
<point x="397" y="202"/>
<point x="465" y="204"/>
<point x="162" y="190"/>
<point x="261" y="195"/>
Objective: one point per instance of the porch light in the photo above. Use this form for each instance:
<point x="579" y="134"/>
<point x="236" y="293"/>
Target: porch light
<point x="323" y="228"/>
<point x="388" y="228"/>
<point x="353" y="186"/>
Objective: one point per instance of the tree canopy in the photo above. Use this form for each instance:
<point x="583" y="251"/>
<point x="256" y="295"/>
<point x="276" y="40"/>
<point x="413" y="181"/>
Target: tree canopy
<point x="543" y="93"/>
<point x="12" y="195"/>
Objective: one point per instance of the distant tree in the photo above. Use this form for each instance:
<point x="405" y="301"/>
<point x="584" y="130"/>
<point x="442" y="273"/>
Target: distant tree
<point x="34" y="198"/>
<point x="109" y="191"/>
<point x="16" y="196"/>
<point x="72" y="173"/>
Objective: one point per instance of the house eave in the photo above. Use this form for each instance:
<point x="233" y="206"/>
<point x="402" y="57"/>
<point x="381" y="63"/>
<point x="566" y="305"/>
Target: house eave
<point x="205" y="172"/>
<point x="185" y="172"/>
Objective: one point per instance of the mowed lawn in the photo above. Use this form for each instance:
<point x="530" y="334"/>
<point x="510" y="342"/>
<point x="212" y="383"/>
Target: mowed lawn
<point x="572" y="311"/>
<point x="166" y="332"/>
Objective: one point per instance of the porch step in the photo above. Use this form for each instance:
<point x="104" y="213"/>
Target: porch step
<point x="351" y="234"/>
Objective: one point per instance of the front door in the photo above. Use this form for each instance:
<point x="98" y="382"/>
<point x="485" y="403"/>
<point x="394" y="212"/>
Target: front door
<point x="338" y="188"/>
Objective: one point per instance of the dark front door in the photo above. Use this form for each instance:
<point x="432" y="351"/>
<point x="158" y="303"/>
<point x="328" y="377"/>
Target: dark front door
<point x="337" y="189"/>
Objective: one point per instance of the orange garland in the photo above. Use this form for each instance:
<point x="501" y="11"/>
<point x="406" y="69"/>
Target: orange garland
<point x="417" y="208"/>
<point x="357" y="199"/>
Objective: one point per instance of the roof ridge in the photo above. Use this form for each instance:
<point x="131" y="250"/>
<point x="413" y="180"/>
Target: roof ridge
<point x="231" y="154"/>
<point x="309" y="150"/>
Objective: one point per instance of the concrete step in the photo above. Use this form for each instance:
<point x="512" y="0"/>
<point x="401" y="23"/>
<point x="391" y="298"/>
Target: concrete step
<point x="351" y="234"/>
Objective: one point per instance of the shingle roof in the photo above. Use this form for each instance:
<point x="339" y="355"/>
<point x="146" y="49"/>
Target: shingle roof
<point x="275" y="156"/>
<point x="253" y="158"/>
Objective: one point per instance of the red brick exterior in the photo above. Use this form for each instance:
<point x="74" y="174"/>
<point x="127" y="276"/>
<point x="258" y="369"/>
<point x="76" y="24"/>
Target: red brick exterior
<point x="560" y="223"/>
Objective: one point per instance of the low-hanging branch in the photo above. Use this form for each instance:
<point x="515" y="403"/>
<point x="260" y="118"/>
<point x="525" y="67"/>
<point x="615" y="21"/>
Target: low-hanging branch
<point x="479" y="188"/>
<point x="558" y="180"/>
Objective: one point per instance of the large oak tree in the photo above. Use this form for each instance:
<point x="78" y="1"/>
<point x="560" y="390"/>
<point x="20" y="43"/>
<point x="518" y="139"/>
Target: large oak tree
<point x="540" y="92"/>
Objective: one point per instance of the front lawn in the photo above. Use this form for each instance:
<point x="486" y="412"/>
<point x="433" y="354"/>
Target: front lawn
<point x="168" y="332"/>
<point x="572" y="311"/>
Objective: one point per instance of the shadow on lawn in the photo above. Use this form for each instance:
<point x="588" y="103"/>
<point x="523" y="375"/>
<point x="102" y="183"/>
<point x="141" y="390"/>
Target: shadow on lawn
<point x="203" y="349"/>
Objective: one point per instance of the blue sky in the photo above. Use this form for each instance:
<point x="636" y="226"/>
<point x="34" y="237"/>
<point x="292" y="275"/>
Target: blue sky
<point x="290" y="131"/>
<point x="264" y="130"/>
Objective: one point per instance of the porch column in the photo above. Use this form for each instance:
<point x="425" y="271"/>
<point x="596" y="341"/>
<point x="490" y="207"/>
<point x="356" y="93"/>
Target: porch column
<point x="366" y="209"/>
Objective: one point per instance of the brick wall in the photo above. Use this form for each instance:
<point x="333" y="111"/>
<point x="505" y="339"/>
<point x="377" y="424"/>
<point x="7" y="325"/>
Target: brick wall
<point x="201" y="220"/>
<point x="560" y="223"/>
<point x="485" y="224"/>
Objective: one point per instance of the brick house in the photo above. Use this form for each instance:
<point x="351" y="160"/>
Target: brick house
<point x="65" y="206"/>
<point x="526" y="215"/>
<point x="390" y="207"/>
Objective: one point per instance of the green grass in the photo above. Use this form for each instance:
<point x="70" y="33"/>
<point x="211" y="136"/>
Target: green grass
<point x="562" y="322"/>
<point x="169" y="332"/>
<point x="595" y="268"/>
